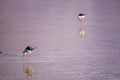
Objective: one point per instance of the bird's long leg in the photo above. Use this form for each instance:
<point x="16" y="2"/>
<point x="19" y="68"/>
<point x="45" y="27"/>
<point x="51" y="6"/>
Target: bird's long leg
<point x="81" y="31"/>
<point x="29" y="56"/>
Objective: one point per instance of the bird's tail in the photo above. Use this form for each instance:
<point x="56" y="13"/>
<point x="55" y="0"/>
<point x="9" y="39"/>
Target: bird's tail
<point x="34" y="47"/>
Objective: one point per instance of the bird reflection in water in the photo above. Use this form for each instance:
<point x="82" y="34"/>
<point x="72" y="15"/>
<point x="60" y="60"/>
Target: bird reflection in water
<point x="28" y="71"/>
<point x="81" y="17"/>
<point x="82" y="32"/>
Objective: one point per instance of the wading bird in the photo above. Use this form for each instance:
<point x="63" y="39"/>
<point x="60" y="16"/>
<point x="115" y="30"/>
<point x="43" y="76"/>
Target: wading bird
<point x="28" y="50"/>
<point x="81" y="16"/>
<point x="28" y="70"/>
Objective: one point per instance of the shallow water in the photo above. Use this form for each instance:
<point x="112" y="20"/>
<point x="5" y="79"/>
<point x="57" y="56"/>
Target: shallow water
<point x="53" y="27"/>
<point x="87" y="66"/>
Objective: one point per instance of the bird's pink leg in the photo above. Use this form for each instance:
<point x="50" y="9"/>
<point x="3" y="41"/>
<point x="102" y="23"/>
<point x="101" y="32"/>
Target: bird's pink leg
<point x="29" y="56"/>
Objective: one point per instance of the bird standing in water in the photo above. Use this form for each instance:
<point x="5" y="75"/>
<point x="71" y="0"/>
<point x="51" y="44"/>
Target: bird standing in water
<point x="81" y="17"/>
<point x="28" y="50"/>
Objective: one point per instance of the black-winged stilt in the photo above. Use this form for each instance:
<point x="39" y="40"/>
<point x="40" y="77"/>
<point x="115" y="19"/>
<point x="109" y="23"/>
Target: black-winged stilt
<point x="81" y="16"/>
<point x="28" y="49"/>
<point x="28" y="70"/>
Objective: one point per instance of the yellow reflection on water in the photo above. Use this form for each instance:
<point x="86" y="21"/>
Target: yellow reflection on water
<point x="82" y="33"/>
<point x="29" y="71"/>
